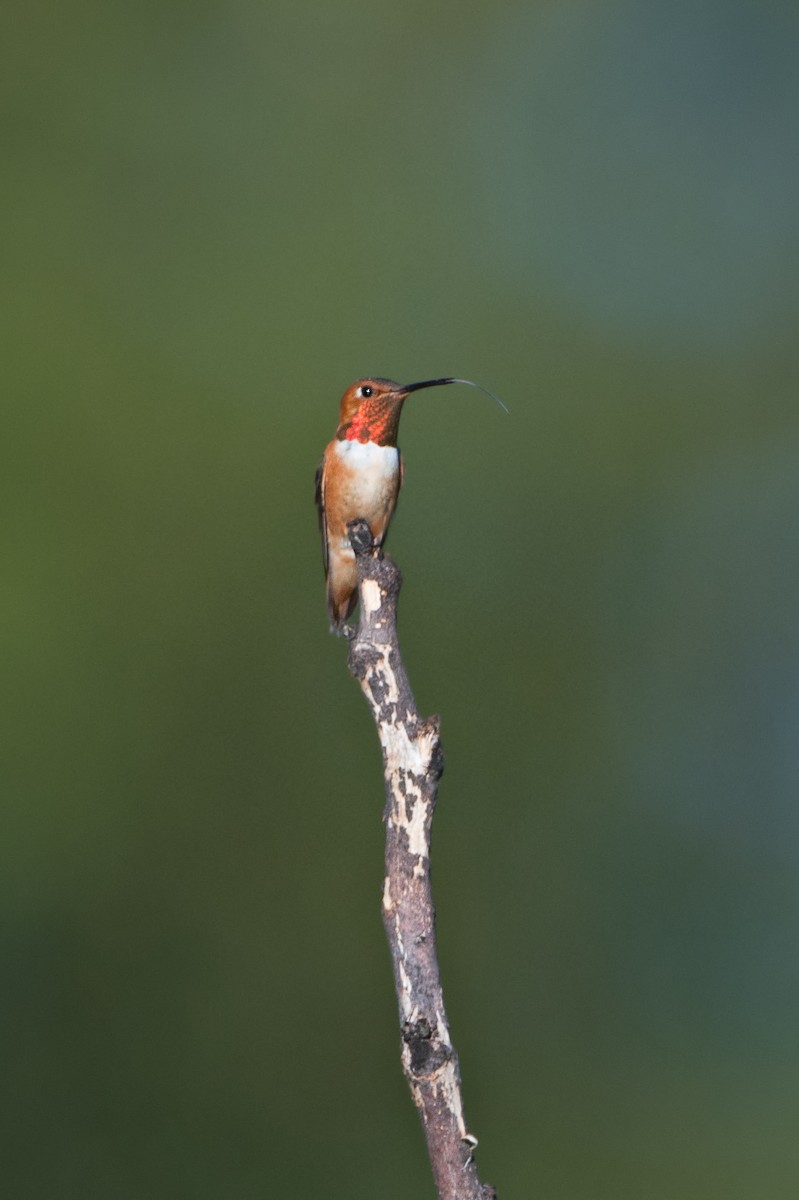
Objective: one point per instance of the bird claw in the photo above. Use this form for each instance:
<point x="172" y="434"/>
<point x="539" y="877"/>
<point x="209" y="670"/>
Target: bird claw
<point x="360" y="535"/>
<point x="342" y="630"/>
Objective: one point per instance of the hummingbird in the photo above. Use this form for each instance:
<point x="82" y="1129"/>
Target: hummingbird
<point x="361" y="475"/>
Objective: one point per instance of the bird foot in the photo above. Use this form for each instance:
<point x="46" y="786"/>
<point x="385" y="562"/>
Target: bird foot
<point x="360" y="536"/>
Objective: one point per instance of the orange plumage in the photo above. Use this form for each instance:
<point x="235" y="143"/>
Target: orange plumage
<point x="360" y="476"/>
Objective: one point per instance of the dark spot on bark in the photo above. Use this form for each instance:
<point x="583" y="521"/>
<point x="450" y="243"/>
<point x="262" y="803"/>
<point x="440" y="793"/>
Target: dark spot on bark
<point x="362" y="658"/>
<point x="417" y="781"/>
<point x="380" y="689"/>
<point x="436" y="768"/>
<point x="427" y="1053"/>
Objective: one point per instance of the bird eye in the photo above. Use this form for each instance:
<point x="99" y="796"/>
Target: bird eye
<point x="366" y="392"/>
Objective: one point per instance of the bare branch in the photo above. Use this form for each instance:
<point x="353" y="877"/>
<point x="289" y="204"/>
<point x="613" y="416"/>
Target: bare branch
<point x="412" y="762"/>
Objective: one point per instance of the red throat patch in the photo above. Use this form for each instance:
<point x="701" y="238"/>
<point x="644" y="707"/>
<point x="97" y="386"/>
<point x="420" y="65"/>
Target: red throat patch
<point x="358" y="431"/>
<point x="376" y="421"/>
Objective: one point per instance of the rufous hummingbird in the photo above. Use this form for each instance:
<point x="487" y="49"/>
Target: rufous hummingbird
<point x="360" y="475"/>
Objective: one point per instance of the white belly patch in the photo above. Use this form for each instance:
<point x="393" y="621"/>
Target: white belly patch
<point x="371" y="479"/>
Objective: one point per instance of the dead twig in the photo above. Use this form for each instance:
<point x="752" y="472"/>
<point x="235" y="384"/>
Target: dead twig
<point x="412" y="762"/>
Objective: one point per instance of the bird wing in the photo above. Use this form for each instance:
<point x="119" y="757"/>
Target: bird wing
<point x="319" y="495"/>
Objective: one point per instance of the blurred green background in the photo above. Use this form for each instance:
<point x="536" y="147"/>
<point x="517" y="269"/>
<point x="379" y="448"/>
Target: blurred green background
<point x="215" y="217"/>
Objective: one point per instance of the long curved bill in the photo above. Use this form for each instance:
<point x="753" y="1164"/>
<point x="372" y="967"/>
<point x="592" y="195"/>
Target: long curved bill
<point x="427" y="383"/>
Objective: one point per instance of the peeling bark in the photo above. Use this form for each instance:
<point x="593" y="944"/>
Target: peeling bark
<point x="413" y="762"/>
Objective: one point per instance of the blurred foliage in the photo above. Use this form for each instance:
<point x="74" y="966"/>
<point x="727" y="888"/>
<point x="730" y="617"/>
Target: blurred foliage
<point x="216" y="216"/>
